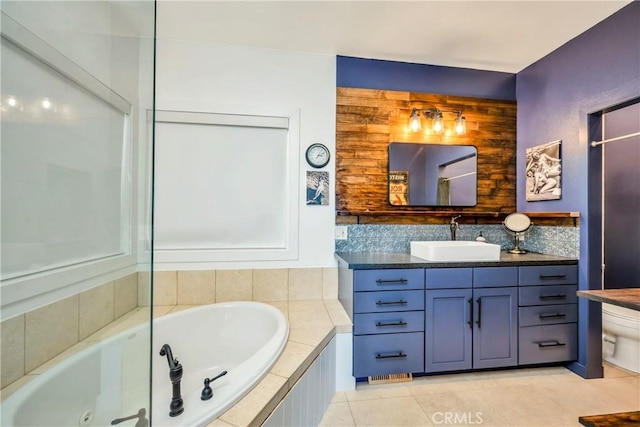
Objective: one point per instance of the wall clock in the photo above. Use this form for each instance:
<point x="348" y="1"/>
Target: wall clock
<point x="318" y="155"/>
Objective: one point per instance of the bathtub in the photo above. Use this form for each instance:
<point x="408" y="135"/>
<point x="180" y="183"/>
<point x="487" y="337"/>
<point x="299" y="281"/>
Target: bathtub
<point x="109" y="380"/>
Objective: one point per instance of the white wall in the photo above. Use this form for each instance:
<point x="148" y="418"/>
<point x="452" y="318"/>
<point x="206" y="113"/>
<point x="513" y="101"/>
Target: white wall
<point x="227" y="79"/>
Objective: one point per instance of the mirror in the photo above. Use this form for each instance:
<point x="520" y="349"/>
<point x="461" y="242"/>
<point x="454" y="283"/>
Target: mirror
<point x="517" y="225"/>
<point x="432" y="174"/>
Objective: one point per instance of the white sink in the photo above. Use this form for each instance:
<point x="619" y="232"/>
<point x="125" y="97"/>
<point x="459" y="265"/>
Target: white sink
<point x="455" y="250"/>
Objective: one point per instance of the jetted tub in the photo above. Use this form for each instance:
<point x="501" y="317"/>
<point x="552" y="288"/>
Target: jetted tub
<point x="108" y="380"/>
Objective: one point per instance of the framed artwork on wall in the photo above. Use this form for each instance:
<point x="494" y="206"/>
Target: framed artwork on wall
<point x="544" y="172"/>
<point x="317" y="188"/>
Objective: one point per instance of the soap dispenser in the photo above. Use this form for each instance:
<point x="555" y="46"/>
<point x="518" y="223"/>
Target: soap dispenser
<point x="480" y="238"/>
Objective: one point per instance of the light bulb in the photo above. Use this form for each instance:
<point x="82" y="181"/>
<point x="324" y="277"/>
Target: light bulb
<point x="12" y="101"/>
<point x="438" y="125"/>
<point x="46" y="104"/>
<point x="461" y="125"/>
<point x="414" y="121"/>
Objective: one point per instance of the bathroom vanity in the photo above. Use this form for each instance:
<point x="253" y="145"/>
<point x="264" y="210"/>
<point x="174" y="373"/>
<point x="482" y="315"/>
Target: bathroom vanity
<point x="418" y="316"/>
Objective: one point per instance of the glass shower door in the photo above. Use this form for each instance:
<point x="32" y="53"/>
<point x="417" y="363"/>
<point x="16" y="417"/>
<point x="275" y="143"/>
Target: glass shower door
<point x="77" y="83"/>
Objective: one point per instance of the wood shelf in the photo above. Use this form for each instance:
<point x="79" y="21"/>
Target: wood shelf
<point x="422" y="216"/>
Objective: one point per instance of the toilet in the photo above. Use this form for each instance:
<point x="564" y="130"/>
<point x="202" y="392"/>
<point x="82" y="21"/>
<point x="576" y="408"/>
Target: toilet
<point x="621" y="337"/>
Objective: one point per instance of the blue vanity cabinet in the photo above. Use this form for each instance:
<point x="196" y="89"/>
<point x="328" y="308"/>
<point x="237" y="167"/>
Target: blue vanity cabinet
<point x="388" y="321"/>
<point x="471" y="318"/>
<point x="548" y="314"/>
<point x="448" y="329"/>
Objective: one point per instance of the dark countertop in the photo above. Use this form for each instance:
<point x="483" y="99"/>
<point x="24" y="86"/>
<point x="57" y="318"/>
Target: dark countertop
<point x="381" y="260"/>
<point x="629" y="298"/>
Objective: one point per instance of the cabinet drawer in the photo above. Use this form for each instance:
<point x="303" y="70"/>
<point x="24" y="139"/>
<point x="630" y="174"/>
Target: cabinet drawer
<point x="387" y="323"/>
<point x="548" y="275"/>
<point x="492" y="277"/>
<point x="380" y="280"/>
<point x="547" y="295"/>
<point x="548" y="314"/>
<point x="550" y="343"/>
<point x="388" y="354"/>
<point x="443" y="278"/>
<point x="375" y="302"/>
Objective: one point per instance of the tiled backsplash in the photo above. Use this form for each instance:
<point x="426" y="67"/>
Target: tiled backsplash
<point x="551" y="240"/>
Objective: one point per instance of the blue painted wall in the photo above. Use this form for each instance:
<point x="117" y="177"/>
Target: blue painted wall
<point x="401" y="76"/>
<point x="598" y="69"/>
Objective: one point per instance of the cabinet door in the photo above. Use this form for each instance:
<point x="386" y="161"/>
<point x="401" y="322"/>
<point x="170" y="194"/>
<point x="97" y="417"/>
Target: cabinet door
<point x="448" y="330"/>
<point x="495" y="327"/>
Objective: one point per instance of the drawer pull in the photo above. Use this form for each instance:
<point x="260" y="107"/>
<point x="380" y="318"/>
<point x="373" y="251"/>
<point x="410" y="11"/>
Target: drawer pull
<point x="479" y="321"/>
<point x="553" y="296"/>
<point x="553" y="276"/>
<point x="544" y="344"/>
<point x="391" y="281"/>
<point x="399" y="355"/>
<point x="470" y="321"/>
<point x="398" y="302"/>
<point x="552" y="316"/>
<point x="400" y="323"/>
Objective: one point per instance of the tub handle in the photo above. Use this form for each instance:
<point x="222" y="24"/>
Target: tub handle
<point x="207" y="392"/>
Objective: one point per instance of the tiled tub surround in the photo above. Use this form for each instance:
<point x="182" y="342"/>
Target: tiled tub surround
<point x="550" y="240"/>
<point x="32" y="339"/>
<point x="314" y="313"/>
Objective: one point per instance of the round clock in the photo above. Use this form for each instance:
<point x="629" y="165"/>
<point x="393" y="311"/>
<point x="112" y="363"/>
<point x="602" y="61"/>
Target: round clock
<point x="318" y="155"/>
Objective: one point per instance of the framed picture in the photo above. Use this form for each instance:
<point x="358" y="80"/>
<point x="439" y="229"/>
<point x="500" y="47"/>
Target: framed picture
<point x="399" y="188"/>
<point x="544" y="172"/>
<point x="317" y="188"/>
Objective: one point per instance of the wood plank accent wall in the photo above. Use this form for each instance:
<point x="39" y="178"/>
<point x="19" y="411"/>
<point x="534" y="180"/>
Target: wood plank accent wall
<point x="368" y="120"/>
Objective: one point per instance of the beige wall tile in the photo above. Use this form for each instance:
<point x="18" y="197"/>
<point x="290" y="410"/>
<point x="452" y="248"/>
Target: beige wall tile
<point x="234" y="285"/>
<point x="144" y="287"/>
<point x="330" y="283"/>
<point x="271" y="284"/>
<point x="12" y="344"/>
<point x="49" y="331"/>
<point x="305" y="284"/>
<point x="96" y="309"/>
<point x="196" y="287"/>
<point x="126" y="294"/>
<point x="165" y="287"/>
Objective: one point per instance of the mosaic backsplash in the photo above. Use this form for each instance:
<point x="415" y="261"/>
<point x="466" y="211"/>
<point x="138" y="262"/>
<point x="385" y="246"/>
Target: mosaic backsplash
<point x="550" y="240"/>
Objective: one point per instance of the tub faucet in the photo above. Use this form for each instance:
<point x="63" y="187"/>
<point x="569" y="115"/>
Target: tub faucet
<point x="207" y="392"/>
<point x="175" y="375"/>
<point x="454" y="226"/>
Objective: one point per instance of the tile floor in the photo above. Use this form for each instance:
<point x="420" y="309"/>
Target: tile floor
<point x="539" y="397"/>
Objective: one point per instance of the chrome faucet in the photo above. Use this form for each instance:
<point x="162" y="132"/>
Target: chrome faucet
<point x="454" y="226"/>
<point x="175" y="375"/>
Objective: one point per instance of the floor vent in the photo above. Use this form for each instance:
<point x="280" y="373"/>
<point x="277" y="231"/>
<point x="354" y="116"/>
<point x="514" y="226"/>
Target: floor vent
<point x="392" y="378"/>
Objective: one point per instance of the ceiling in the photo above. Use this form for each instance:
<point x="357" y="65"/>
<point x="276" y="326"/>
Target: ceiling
<point x="487" y="35"/>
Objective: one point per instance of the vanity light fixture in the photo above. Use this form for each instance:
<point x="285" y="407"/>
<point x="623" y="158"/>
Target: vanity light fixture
<point x="437" y="120"/>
